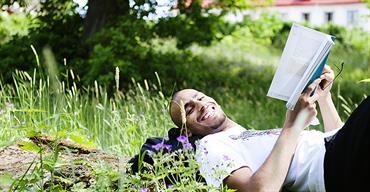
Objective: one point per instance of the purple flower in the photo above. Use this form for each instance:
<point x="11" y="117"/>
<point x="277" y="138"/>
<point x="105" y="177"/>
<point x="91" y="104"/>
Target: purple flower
<point x="182" y="139"/>
<point x="144" y="190"/>
<point x="160" y="146"/>
<point x="188" y="146"/>
<point x="157" y="146"/>
<point x="168" y="147"/>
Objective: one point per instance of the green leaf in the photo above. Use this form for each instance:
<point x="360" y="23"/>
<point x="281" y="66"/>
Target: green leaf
<point x="32" y="133"/>
<point x="29" y="146"/>
<point x="77" y="139"/>
<point x="6" y="180"/>
<point x="365" y="81"/>
<point x="81" y="140"/>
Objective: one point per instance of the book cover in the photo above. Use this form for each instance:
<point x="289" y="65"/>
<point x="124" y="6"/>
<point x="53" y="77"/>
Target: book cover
<point x="320" y="69"/>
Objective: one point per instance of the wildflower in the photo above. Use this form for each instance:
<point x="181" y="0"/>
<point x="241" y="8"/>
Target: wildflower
<point x="157" y="146"/>
<point x="144" y="190"/>
<point x="160" y="146"/>
<point x="182" y="139"/>
<point x="187" y="146"/>
<point x="9" y="104"/>
<point x="168" y="147"/>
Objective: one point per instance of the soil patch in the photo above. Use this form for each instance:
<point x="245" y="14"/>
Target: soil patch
<point x="73" y="161"/>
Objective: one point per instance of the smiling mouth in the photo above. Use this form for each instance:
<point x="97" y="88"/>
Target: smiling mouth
<point x="207" y="115"/>
<point x="208" y="112"/>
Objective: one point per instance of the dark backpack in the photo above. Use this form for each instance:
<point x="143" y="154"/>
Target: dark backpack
<point x="147" y="147"/>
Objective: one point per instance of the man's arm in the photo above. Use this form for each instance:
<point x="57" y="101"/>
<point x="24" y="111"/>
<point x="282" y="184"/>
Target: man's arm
<point x="271" y="175"/>
<point x="329" y="113"/>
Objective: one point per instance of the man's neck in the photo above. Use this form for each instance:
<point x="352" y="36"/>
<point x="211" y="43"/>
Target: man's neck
<point x="228" y="123"/>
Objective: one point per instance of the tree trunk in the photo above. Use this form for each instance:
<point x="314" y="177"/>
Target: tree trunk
<point x="102" y="12"/>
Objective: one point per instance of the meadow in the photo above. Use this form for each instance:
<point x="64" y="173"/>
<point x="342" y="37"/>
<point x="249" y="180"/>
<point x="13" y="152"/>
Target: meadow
<point x="120" y="121"/>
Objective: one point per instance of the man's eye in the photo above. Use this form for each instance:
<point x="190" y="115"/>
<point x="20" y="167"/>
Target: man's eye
<point x="189" y="111"/>
<point x="201" y="98"/>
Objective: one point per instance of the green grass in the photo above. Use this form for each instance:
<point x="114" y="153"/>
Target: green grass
<point x="119" y="124"/>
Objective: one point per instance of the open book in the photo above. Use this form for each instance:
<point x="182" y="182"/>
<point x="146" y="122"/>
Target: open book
<point x="302" y="61"/>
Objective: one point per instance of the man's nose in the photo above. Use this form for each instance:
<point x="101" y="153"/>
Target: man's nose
<point x="198" y="104"/>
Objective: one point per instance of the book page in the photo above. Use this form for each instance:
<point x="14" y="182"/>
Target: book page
<point x="319" y="57"/>
<point x="296" y="57"/>
<point x="300" y="57"/>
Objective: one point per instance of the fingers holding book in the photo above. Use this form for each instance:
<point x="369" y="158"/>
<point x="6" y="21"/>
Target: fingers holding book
<point x="327" y="77"/>
<point x="307" y="101"/>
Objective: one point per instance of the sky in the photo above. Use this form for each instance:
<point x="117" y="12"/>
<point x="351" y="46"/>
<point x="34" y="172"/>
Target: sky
<point x="161" y="10"/>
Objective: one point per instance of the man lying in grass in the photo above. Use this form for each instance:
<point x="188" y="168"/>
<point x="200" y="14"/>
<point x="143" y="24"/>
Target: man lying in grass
<point x="290" y="158"/>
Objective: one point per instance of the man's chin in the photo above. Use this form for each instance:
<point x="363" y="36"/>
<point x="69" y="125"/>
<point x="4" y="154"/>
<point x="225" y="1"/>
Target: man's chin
<point x="219" y="126"/>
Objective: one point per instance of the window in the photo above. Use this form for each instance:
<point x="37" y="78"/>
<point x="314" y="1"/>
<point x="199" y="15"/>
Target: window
<point x="306" y="16"/>
<point x="352" y="16"/>
<point x="328" y="16"/>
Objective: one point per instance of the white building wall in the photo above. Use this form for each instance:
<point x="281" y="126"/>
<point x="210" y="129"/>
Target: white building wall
<point x="317" y="14"/>
<point x="341" y="14"/>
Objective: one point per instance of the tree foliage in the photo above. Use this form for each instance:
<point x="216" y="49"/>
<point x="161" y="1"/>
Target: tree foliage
<point x="57" y="25"/>
<point x="123" y="34"/>
<point x="113" y="33"/>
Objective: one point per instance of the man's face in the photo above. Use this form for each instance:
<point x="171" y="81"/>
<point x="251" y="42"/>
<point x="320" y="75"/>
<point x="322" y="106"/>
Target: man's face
<point x="202" y="113"/>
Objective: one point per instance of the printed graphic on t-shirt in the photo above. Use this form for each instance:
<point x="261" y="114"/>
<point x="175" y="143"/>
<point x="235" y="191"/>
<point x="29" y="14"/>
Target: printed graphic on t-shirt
<point x="254" y="133"/>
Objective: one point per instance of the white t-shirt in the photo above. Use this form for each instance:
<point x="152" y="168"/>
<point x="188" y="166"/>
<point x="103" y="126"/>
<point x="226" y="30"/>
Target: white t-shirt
<point x="222" y="153"/>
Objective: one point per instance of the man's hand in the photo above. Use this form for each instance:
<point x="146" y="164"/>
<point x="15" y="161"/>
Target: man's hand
<point x="305" y="102"/>
<point x="327" y="78"/>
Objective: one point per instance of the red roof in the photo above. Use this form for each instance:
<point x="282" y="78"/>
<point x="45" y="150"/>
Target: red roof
<point x="313" y="2"/>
